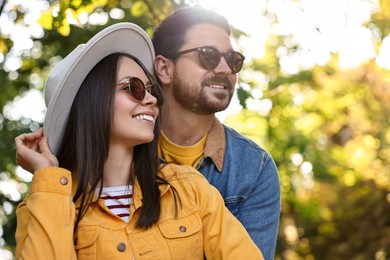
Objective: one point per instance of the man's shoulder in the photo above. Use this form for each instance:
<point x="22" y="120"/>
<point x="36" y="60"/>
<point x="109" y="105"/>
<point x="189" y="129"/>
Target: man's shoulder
<point x="235" y="138"/>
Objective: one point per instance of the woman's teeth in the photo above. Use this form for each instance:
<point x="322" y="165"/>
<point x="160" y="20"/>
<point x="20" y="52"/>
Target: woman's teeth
<point x="144" y="117"/>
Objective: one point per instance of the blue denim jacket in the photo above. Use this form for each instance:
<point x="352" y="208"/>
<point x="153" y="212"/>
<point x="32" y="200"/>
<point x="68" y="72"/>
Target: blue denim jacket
<point x="246" y="176"/>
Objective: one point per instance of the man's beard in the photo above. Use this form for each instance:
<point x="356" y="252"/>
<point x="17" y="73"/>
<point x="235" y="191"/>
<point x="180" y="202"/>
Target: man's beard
<point x="197" y="99"/>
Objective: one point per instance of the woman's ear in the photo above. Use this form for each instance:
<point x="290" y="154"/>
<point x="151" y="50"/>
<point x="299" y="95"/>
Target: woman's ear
<point x="163" y="68"/>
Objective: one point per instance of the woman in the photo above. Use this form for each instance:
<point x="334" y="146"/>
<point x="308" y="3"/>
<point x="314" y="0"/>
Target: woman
<point x="98" y="191"/>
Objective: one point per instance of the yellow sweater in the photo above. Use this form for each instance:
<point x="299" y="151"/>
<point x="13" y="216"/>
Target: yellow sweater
<point x="178" y="154"/>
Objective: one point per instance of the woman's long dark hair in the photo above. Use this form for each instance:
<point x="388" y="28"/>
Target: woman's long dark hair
<point x="85" y="145"/>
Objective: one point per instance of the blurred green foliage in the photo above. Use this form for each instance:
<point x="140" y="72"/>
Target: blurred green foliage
<point x="327" y="128"/>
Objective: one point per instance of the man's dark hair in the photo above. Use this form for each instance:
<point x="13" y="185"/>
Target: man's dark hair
<point x="170" y="35"/>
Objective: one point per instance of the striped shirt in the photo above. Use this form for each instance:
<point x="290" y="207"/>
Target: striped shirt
<point x="118" y="199"/>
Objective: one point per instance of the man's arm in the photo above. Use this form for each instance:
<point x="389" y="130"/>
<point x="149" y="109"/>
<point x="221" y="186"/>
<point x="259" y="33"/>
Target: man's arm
<point x="261" y="211"/>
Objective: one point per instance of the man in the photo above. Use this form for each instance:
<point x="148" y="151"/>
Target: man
<point x="197" y="67"/>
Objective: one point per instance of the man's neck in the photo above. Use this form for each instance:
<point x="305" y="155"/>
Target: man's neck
<point x="184" y="127"/>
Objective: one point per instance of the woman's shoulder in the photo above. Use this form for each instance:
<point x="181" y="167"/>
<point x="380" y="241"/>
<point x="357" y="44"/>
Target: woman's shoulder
<point x="173" y="171"/>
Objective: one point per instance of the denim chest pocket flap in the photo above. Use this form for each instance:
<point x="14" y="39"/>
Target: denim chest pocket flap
<point x="181" y="227"/>
<point x="86" y="237"/>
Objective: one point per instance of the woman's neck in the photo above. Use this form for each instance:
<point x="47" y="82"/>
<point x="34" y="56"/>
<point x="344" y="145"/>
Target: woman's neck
<point x="118" y="167"/>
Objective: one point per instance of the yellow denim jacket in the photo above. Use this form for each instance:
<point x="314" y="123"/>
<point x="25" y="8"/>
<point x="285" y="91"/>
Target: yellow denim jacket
<point x="204" y="227"/>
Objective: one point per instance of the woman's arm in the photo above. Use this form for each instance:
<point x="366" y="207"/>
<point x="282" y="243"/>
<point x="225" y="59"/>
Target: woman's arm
<point x="45" y="218"/>
<point x="224" y="236"/>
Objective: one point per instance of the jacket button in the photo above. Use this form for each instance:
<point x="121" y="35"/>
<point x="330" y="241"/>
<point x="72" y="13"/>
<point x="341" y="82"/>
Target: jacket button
<point x="182" y="229"/>
<point x="64" y="181"/>
<point x="121" y="247"/>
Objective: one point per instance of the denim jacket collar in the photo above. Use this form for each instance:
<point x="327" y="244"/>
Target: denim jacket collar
<point x="216" y="145"/>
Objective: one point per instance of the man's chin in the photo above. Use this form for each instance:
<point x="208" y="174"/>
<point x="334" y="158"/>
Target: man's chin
<point x="212" y="110"/>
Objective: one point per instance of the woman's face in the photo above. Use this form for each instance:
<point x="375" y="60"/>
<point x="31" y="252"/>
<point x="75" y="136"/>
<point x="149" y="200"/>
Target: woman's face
<point x="134" y="120"/>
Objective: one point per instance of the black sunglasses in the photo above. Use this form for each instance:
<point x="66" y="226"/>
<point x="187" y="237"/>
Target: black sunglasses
<point x="209" y="58"/>
<point x="137" y="89"/>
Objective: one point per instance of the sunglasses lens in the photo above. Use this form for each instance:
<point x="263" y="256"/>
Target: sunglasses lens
<point x="235" y="61"/>
<point x="137" y="88"/>
<point x="209" y="57"/>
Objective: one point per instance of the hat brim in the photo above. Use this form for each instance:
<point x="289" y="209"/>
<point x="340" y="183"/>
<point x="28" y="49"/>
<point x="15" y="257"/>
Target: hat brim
<point x="66" y="78"/>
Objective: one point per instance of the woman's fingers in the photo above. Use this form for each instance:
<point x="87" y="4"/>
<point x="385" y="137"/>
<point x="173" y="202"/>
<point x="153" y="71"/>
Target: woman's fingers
<point x="45" y="150"/>
<point x="33" y="152"/>
<point x="30" y="140"/>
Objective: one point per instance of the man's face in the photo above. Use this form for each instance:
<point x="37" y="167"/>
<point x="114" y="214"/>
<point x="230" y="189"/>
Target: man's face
<point x="196" y="88"/>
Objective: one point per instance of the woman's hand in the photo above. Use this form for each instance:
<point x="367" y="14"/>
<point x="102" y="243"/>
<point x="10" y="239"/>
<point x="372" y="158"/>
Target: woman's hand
<point x="33" y="152"/>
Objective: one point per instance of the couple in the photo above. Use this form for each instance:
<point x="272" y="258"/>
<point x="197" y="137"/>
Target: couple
<point x="99" y="189"/>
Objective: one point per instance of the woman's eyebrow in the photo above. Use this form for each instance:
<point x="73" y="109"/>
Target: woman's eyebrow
<point x="126" y="78"/>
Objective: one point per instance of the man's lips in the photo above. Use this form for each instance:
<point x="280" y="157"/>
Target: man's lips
<point x="216" y="86"/>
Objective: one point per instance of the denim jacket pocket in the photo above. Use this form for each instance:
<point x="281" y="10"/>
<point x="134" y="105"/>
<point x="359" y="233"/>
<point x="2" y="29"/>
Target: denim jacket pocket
<point x="85" y="242"/>
<point x="184" y="236"/>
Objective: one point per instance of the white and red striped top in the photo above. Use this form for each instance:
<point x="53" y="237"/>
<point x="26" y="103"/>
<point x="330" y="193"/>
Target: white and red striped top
<point x="118" y="199"/>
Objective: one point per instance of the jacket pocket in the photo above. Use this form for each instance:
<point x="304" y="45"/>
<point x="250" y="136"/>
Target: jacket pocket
<point x="184" y="236"/>
<point x="85" y="242"/>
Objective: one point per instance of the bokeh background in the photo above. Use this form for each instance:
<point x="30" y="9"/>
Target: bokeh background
<point x="314" y="92"/>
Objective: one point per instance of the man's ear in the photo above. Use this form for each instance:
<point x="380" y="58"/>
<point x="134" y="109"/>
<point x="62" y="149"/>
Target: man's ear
<point x="163" y="68"/>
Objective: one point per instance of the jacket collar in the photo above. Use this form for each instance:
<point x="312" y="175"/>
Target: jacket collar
<point x="216" y="144"/>
<point x="137" y="194"/>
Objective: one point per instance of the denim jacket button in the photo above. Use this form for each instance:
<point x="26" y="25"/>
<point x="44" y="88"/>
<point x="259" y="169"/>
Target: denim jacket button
<point x="182" y="229"/>
<point x="64" y="181"/>
<point x="121" y="247"/>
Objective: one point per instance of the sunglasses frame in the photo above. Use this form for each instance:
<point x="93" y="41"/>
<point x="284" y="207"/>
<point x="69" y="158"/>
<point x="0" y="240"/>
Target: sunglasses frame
<point x="126" y="85"/>
<point x="201" y="50"/>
